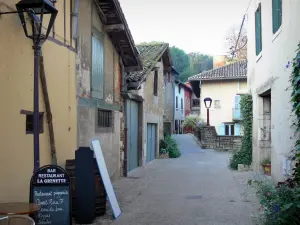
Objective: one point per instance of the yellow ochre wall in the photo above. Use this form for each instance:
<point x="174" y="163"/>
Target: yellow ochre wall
<point x="16" y="93"/>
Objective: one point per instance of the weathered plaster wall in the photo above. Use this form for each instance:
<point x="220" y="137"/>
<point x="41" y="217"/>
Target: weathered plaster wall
<point x="87" y="114"/>
<point x="224" y="91"/>
<point x="194" y="109"/>
<point x="179" y="113"/>
<point x="187" y="102"/>
<point x="269" y="72"/>
<point x="16" y="88"/>
<point x="169" y="100"/>
<point x="153" y="106"/>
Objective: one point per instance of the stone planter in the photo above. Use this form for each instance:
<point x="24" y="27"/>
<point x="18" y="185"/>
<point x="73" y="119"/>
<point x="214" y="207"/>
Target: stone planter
<point x="164" y="156"/>
<point x="267" y="169"/>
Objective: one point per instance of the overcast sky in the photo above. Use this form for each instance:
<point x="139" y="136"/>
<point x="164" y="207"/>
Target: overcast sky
<point x="192" y="25"/>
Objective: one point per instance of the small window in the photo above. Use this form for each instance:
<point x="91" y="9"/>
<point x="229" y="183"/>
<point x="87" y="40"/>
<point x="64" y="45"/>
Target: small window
<point x="181" y="103"/>
<point x="277" y="14"/>
<point x="229" y="129"/>
<point x="258" y="30"/>
<point x="217" y="104"/>
<point x="29" y="122"/>
<point x="196" y="102"/>
<point x="105" y="118"/>
<point x="176" y="102"/>
<point x="155" y="83"/>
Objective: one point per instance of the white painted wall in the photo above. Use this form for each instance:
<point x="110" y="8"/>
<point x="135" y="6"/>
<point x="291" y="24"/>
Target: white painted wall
<point x="270" y="72"/>
<point x="179" y="113"/>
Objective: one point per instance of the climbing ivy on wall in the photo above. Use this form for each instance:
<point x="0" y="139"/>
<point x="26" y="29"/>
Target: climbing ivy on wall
<point x="295" y="99"/>
<point x="244" y="156"/>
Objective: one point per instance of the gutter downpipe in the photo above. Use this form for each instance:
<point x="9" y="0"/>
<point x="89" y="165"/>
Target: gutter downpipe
<point x="124" y="89"/>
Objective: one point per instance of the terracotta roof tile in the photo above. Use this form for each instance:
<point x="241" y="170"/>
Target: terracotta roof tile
<point x="236" y="70"/>
<point x="150" y="55"/>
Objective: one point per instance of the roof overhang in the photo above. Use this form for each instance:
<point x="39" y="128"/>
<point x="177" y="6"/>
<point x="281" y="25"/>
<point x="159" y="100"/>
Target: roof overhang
<point x="117" y="28"/>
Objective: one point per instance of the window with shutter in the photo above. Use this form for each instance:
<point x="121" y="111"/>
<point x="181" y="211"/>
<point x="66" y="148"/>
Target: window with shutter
<point x="222" y="129"/>
<point x="155" y="83"/>
<point x="258" y="30"/>
<point x="97" y="66"/>
<point x="277" y="14"/>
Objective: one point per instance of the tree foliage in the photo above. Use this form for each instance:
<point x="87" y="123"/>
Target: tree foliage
<point x="191" y="63"/>
<point x="244" y="155"/>
<point x="181" y="62"/>
<point x="200" y="62"/>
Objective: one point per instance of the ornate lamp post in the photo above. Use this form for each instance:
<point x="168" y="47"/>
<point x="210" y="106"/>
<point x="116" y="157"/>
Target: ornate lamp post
<point x="37" y="27"/>
<point x="207" y="103"/>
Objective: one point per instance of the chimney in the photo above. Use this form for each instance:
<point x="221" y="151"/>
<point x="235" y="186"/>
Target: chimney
<point x="219" y="61"/>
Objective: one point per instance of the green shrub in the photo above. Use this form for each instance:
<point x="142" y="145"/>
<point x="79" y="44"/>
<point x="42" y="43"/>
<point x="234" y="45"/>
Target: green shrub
<point x="244" y="155"/>
<point x="172" y="147"/>
<point x="280" y="204"/>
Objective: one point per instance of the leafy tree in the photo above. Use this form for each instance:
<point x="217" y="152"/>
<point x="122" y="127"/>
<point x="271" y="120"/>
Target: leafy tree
<point x="181" y="62"/>
<point x="200" y="62"/>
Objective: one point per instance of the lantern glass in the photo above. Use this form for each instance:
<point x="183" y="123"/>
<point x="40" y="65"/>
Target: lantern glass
<point x="37" y="18"/>
<point x="207" y="102"/>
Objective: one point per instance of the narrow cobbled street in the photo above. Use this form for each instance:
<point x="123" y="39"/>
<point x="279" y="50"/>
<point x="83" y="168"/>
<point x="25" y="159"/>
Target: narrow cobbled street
<point x="197" y="188"/>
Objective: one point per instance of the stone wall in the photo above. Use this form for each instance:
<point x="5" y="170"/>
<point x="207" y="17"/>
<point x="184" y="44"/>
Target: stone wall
<point x="210" y="139"/>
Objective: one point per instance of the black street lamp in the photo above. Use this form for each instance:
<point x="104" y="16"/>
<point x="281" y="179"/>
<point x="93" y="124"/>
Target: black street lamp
<point x="207" y="102"/>
<point x="33" y="13"/>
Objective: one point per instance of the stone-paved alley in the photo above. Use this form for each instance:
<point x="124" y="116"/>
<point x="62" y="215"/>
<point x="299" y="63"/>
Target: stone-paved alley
<point x="197" y="188"/>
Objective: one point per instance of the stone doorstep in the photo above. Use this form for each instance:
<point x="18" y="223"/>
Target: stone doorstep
<point x="163" y="156"/>
<point x="242" y="167"/>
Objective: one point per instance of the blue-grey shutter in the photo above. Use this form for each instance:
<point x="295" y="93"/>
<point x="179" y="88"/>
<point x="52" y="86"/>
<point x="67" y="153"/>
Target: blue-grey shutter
<point x="237" y="129"/>
<point x="258" y="30"/>
<point x="97" y="67"/>
<point x="222" y="129"/>
<point x="277" y="14"/>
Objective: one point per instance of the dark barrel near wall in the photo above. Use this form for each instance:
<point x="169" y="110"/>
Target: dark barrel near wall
<point x="100" y="193"/>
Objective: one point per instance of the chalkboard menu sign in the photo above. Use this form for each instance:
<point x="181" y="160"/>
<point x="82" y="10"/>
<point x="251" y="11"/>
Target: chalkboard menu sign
<point x="50" y="188"/>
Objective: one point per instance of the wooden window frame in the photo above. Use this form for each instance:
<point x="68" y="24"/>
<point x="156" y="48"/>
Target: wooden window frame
<point x="30" y="114"/>
<point x="195" y="100"/>
<point x="104" y="129"/>
<point x="258" y="30"/>
<point x="155" y="83"/>
<point x="276" y="15"/>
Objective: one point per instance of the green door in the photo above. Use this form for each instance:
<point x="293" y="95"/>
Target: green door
<point x="151" y="142"/>
<point x="132" y="135"/>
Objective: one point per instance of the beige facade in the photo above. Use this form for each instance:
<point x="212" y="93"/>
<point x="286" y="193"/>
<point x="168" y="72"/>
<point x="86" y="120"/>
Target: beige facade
<point x="223" y="99"/>
<point x="100" y="72"/>
<point x="16" y="85"/>
<point x="268" y="79"/>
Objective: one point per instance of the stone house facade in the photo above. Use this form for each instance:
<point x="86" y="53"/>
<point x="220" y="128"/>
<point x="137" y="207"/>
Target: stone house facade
<point x="273" y="36"/>
<point x="224" y="85"/>
<point x="106" y="51"/>
<point x="147" y="99"/>
<point x="169" y="101"/>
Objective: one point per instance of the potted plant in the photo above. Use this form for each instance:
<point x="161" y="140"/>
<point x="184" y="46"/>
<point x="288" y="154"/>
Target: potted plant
<point x="266" y="164"/>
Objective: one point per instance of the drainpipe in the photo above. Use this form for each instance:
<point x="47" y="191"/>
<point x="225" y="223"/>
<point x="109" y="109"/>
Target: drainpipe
<point x="124" y="89"/>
